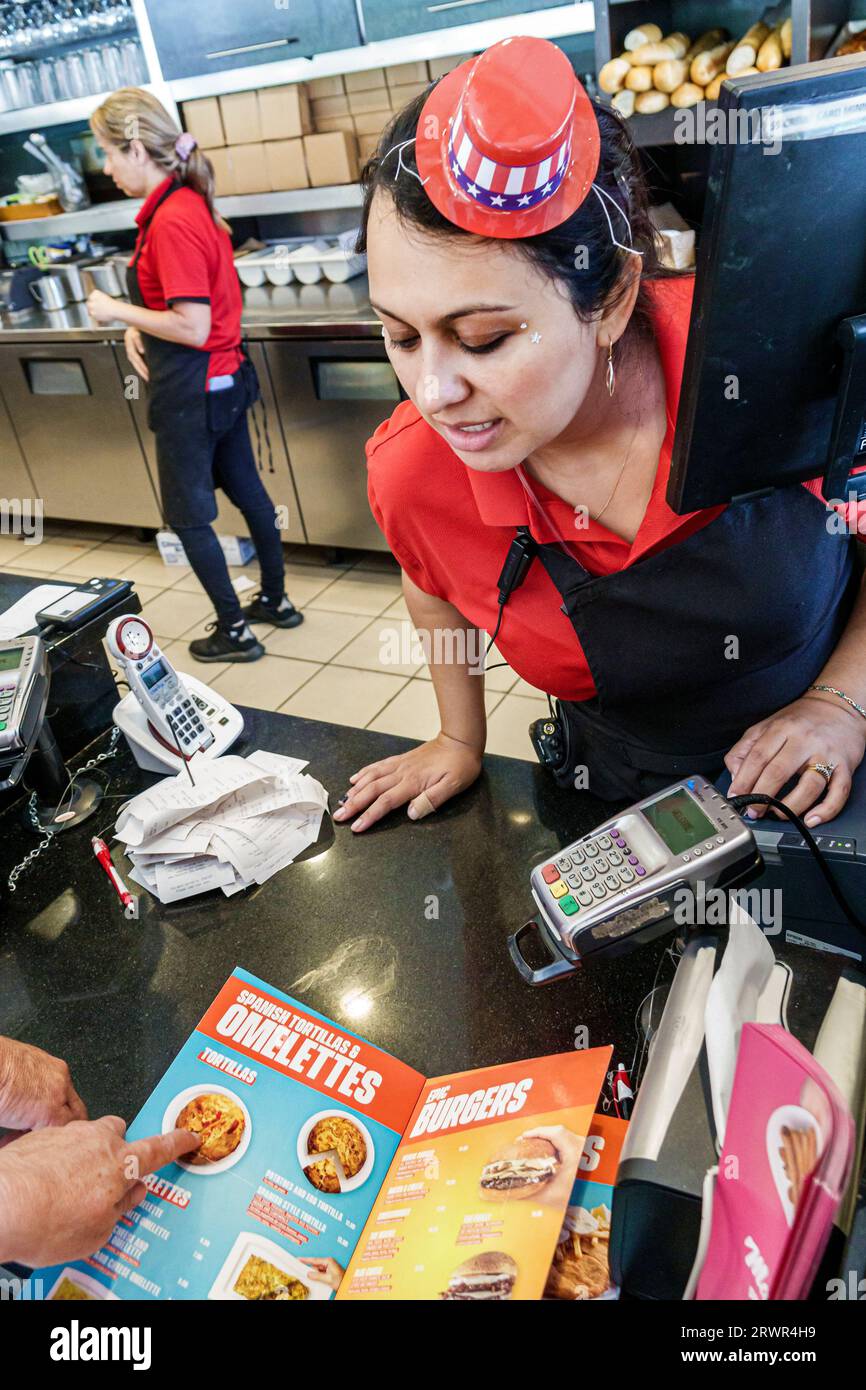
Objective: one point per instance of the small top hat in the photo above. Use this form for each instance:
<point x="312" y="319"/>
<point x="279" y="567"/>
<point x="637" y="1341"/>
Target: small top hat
<point x="508" y="144"/>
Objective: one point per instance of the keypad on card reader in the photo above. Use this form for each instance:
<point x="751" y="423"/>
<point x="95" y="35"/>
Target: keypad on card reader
<point x="592" y="871"/>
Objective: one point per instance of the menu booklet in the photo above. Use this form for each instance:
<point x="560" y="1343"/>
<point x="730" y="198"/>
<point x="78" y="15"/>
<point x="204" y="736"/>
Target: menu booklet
<point x="325" y="1162"/>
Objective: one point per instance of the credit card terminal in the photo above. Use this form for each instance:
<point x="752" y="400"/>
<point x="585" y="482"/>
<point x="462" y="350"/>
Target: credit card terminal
<point x="166" y="716"/>
<point x="622" y="883"/>
<point x="23" y="696"/>
<point x="77" y="607"/>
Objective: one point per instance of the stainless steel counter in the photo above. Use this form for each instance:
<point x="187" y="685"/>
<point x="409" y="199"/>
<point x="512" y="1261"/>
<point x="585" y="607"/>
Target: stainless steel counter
<point x="273" y="311"/>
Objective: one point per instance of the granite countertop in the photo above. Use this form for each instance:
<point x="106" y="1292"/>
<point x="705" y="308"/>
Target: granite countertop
<point x="415" y="917"/>
<point x="272" y="311"/>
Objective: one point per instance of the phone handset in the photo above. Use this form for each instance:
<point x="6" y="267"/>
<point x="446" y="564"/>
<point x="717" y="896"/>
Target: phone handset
<point x="171" y="708"/>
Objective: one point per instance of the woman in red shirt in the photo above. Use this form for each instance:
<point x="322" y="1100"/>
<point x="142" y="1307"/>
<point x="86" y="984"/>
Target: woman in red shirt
<point x="184" y="339"/>
<point x="512" y="262"/>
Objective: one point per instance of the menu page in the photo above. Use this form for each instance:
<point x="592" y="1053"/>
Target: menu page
<point x="473" y="1203"/>
<point x="581" y="1262"/>
<point x="300" y="1120"/>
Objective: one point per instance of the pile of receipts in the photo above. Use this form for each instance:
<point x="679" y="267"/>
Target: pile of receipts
<point x="240" y="822"/>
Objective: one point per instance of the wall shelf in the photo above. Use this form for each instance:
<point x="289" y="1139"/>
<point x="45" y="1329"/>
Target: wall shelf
<point x="120" y="215"/>
<point x="76" y="111"/>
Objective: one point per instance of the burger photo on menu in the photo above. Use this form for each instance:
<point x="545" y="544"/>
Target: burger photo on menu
<point x="521" y="1169"/>
<point x="487" y="1277"/>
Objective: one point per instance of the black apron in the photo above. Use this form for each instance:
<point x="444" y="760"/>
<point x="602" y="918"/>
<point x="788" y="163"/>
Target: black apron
<point x="183" y="415"/>
<point x="694" y="644"/>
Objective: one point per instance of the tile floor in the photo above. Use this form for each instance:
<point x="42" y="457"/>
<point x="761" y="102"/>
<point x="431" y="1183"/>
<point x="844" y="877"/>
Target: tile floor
<point x="330" y="668"/>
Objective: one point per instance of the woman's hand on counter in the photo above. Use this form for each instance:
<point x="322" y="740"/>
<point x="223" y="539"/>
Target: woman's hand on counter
<point x="133" y="346"/>
<point x="101" y="307"/>
<point x="36" y="1089"/>
<point x="63" y="1190"/>
<point x="810" y="730"/>
<point x="425" y="777"/>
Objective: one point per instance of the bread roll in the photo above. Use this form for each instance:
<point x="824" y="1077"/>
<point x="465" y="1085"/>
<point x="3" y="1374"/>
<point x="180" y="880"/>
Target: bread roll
<point x="711" y="39"/>
<point x="689" y="94"/>
<point x="709" y="64"/>
<point x="651" y="53"/>
<point x="648" y="103"/>
<point x="744" y="53"/>
<point x="669" y="75"/>
<point x="645" y="33"/>
<point x="613" y="74"/>
<point x="713" y="89"/>
<point x="624" y="102"/>
<point x="785" y="36"/>
<point x="640" y="79"/>
<point x="679" y="42"/>
<point x="770" y="54"/>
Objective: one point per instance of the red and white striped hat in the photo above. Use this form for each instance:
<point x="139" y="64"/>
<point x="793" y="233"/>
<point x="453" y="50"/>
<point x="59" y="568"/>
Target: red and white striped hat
<point x="507" y="145"/>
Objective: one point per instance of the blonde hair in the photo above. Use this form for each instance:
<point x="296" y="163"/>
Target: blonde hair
<point x="134" y="114"/>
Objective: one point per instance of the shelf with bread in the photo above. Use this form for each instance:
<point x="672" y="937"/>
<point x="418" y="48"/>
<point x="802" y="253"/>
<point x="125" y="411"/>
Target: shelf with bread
<point x="656" y="75"/>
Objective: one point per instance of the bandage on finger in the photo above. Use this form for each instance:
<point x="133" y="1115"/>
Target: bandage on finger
<point x="423" y="806"/>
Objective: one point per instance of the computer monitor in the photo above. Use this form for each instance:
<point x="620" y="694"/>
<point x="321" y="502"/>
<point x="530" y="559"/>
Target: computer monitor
<point x="774" y="387"/>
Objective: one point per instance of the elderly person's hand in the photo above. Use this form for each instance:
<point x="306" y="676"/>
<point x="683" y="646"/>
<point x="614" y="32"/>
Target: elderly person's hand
<point x="809" y="731"/>
<point x="63" y="1190"/>
<point x="36" y="1089"/>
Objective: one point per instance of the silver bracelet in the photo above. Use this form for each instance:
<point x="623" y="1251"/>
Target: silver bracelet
<point x="831" y="690"/>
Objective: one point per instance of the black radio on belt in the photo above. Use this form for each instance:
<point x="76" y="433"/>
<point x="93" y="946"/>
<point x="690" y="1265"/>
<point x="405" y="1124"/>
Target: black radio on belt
<point x="548" y="736"/>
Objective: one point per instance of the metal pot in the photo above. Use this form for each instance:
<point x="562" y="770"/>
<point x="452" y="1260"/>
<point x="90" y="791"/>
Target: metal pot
<point x="103" y="277"/>
<point x="48" y="293"/>
<point x="70" y="277"/>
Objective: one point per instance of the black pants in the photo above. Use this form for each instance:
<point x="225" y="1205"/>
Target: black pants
<point x="235" y="471"/>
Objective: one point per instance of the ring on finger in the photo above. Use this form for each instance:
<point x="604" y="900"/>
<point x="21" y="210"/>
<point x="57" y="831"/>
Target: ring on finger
<point x="826" y="770"/>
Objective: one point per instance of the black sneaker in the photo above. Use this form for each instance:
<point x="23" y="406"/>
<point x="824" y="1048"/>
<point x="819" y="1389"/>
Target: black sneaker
<point x="236" y="643"/>
<point x="282" y="614"/>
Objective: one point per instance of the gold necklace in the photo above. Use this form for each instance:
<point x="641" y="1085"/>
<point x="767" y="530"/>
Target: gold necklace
<point x="600" y="514"/>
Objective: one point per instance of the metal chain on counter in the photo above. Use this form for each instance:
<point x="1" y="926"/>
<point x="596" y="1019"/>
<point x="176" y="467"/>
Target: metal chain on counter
<point x="49" y="836"/>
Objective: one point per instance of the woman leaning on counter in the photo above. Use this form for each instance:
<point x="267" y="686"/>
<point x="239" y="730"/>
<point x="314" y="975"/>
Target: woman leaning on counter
<point x="184" y="339"/>
<point x="512" y="262"/>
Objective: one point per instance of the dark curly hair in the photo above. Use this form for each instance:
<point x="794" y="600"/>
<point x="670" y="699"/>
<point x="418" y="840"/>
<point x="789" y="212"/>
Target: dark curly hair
<point x="594" y="280"/>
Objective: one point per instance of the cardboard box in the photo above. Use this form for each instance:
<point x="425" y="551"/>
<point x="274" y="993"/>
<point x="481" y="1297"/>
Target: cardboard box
<point x="371" y="122"/>
<point x="325" y="87"/>
<point x="223" y="172"/>
<point x="250" y="169"/>
<point x="326" y="123"/>
<point x="238" y="550"/>
<point x="401" y="96"/>
<point x="284" y="112"/>
<point x="203" y="120"/>
<point x="401" y="73"/>
<point x="241" y="120"/>
<point x="286" y="164"/>
<point x="329" y="106"/>
<point x="331" y="158"/>
<point x="364" y="81"/>
<point x="437" y="67"/>
<point x="367" y="146"/>
<point x="377" y="99"/>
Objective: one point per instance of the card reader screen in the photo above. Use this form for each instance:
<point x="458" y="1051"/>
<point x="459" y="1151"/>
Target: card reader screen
<point x="679" y="821"/>
<point x="11" y="660"/>
<point x="154" y="674"/>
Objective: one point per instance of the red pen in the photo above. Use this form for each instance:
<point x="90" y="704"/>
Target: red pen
<point x="129" y="900"/>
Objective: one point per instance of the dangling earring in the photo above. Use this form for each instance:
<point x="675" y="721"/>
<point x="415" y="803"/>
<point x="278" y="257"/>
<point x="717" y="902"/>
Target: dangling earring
<point x="610" y="375"/>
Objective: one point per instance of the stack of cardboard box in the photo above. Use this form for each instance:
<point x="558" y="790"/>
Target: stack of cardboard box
<point x="302" y="135"/>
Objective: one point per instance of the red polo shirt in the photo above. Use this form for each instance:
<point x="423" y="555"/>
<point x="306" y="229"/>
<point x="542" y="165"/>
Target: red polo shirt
<point x="450" y="526"/>
<point x="187" y="256"/>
